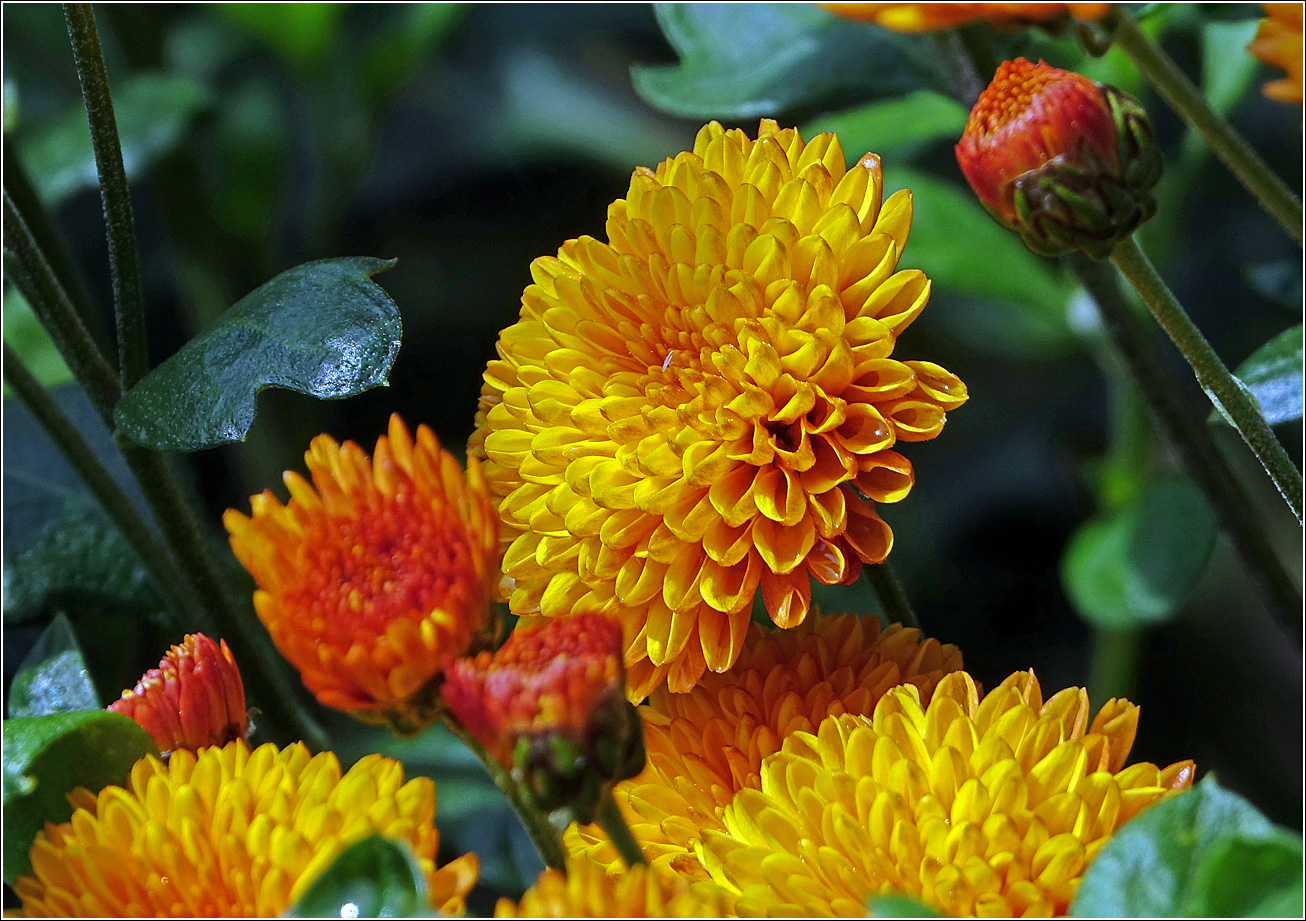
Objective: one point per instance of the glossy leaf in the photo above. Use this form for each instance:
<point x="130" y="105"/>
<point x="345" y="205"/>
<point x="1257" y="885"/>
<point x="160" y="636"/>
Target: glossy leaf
<point x="1274" y="376"/>
<point x="1205" y="852"/>
<point x="744" y="60"/>
<point x="322" y="328"/>
<point x="375" y="878"/>
<point x="898" y="906"/>
<point x="47" y="757"/>
<point x="154" y="111"/>
<point x="894" y="127"/>
<point x="53" y="677"/>
<point x="1136" y="565"/>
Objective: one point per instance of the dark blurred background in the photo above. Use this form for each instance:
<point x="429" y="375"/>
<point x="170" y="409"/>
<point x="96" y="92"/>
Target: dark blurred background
<point x="468" y="140"/>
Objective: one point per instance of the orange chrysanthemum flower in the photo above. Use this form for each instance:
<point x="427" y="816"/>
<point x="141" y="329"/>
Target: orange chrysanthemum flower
<point x="1278" y="43"/>
<point x="988" y="808"/>
<point x="707" y="745"/>
<point x="589" y="890"/>
<point x="193" y="699"/>
<point x="931" y="17"/>
<point x="376" y="576"/>
<point x="706" y="403"/>
<point x="230" y="833"/>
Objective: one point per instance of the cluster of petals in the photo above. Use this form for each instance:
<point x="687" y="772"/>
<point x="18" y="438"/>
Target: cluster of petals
<point x="375" y="576"/>
<point x="706" y="404"/>
<point x="1278" y="43"/>
<point x="591" y="890"/>
<point x="974" y="807"/>
<point x="230" y="832"/>
<point x="706" y="745"/>
<point x="932" y="17"/>
<point x="194" y="698"/>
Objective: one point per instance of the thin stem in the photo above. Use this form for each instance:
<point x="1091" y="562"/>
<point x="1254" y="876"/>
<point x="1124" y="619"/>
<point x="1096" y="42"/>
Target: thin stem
<point x="1114" y="666"/>
<point x="1190" y="436"/>
<point x="124" y="261"/>
<point x="28" y="268"/>
<point x="613" y="822"/>
<point x="893" y="599"/>
<point x="153" y="553"/>
<point x="961" y="62"/>
<point x="1222" y="387"/>
<point x="1162" y="72"/>
<point x="542" y="834"/>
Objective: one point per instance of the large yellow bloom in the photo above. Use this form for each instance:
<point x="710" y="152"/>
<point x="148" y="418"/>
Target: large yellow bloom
<point x="230" y="832"/>
<point x="1278" y="43"/>
<point x="375" y="577"/>
<point x="976" y="808"/>
<point x="590" y="890"/>
<point x="705" y="746"/>
<point x="706" y="403"/>
<point x="931" y="17"/>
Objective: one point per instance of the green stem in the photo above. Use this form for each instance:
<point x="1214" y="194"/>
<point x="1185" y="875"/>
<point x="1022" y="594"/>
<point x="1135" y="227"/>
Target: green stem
<point x="893" y="599"/>
<point x="1190" y="436"/>
<point x="29" y="270"/>
<point x="961" y="63"/>
<point x="613" y="822"/>
<point x="1114" y="665"/>
<point x="541" y="832"/>
<point x="153" y="554"/>
<point x="124" y="261"/>
<point x="1222" y="387"/>
<point x="1162" y="72"/>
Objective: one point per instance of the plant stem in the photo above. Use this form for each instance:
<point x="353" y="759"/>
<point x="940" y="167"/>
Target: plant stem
<point x="613" y="822"/>
<point x="1162" y="72"/>
<point x="28" y="268"/>
<point x="1228" y="395"/>
<point x="124" y="261"/>
<point x="960" y="58"/>
<point x="153" y="553"/>
<point x="1187" y="432"/>
<point x="1114" y="665"/>
<point x="541" y="832"/>
<point x="893" y="599"/>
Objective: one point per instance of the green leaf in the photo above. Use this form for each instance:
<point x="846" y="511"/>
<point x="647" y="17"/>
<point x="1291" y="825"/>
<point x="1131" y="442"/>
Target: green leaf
<point x="375" y="878"/>
<point x="47" y="757"/>
<point x="301" y="33"/>
<point x="894" y="127"/>
<point x="744" y="60"/>
<point x="53" y="677"/>
<point x="1136" y="565"/>
<point x="1274" y="376"/>
<point x="25" y="334"/>
<point x="1174" y="860"/>
<point x="322" y="328"/>
<point x="898" y="906"/>
<point x="153" y="111"/>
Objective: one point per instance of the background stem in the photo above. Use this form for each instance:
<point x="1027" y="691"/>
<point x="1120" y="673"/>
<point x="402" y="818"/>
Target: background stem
<point x="893" y="598"/>
<point x="1115" y="659"/>
<point x="613" y="822"/>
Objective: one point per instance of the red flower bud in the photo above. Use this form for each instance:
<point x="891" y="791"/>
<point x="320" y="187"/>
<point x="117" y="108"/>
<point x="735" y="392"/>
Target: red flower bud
<point x="195" y="697"/>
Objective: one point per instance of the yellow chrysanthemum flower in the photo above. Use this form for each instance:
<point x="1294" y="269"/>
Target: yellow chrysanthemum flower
<point x="931" y="17"/>
<point x="706" y="403"/>
<point x="378" y="575"/>
<point x="589" y="890"/>
<point x="1278" y="43"/>
<point x="230" y="832"/>
<point x="705" y="746"/>
<point x="977" y="808"/>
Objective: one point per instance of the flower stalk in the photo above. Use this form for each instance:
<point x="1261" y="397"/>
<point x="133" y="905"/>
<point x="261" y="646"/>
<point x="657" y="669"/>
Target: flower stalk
<point x="1225" y="391"/>
<point x="891" y="595"/>
<point x="611" y="820"/>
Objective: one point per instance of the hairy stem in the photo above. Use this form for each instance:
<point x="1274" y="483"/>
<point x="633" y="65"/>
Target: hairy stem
<point x="893" y="599"/>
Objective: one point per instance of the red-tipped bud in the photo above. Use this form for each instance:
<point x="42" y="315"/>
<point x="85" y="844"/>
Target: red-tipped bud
<point x="551" y="706"/>
<point x="1066" y="162"/>
<point x="195" y="698"/>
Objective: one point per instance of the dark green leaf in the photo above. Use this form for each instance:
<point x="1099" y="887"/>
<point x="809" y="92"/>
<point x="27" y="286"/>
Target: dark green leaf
<point x="53" y="677"/>
<point x="894" y="127"/>
<point x="153" y="110"/>
<point x="1156" y="866"/>
<point x="322" y="328"/>
<point x="743" y="60"/>
<point x="898" y="906"/>
<point x="1274" y="376"/>
<point x="1136" y="565"/>
<point x="46" y="757"/>
<point x="375" y="878"/>
<point x="1249" y="878"/>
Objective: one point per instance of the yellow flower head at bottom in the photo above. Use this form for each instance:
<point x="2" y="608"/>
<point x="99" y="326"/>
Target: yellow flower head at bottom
<point x="976" y="808"/>
<point x="590" y="890"/>
<point x="230" y="832"/>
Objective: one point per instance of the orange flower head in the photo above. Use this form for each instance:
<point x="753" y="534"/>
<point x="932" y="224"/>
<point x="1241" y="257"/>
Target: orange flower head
<point x="375" y="577"/>
<point x="590" y="890"/>
<point x="987" y="807"/>
<point x="551" y="706"/>
<point x="706" y="745"/>
<point x="193" y="699"/>
<point x="1067" y="162"/>
<point x="1278" y="43"/>
<point x="932" y="17"/>
<point x="230" y="832"/>
<point x="707" y="403"/>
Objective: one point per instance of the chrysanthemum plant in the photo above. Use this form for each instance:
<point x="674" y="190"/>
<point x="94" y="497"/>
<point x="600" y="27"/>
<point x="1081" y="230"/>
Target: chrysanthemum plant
<point x="691" y="440"/>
